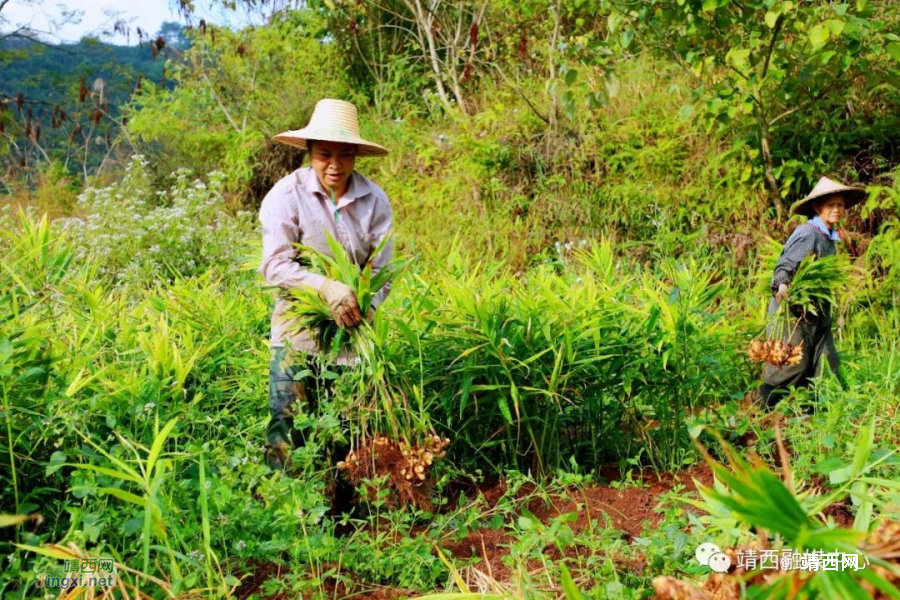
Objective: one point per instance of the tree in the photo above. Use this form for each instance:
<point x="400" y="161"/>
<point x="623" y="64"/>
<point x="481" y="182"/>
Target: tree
<point x="69" y="114"/>
<point x="770" y="61"/>
<point x="232" y="92"/>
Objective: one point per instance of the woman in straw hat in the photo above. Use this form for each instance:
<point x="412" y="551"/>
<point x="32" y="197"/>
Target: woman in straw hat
<point x="328" y="196"/>
<point x="824" y="207"/>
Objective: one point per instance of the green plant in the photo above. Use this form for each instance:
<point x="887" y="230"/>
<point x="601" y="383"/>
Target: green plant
<point x="139" y="235"/>
<point x="754" y="58"/>
<point x="311" y="311"/>
<point x="752" y="492"/>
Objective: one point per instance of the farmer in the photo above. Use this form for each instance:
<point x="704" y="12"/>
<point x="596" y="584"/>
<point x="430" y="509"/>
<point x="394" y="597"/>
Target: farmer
<point x="328" y="196"/>
<point x="824" y="206"/>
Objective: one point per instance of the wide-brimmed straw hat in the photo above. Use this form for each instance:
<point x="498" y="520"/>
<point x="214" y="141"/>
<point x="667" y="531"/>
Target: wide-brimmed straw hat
<point x="332" y="121"/>
<point x="827" y="187"/>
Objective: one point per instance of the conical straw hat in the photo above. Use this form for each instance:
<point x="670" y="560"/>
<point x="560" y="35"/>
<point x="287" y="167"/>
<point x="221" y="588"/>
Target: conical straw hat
<point x="827" y="187"/>
<point x="332" y="121"/>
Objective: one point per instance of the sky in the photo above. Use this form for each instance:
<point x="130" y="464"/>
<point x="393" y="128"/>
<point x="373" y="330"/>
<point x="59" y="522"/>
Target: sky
<point x="96" y="17"/>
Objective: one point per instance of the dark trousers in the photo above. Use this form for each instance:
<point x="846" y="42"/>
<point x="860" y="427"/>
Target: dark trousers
<point x="814" y="332"/>
<point x="295" y="383"/>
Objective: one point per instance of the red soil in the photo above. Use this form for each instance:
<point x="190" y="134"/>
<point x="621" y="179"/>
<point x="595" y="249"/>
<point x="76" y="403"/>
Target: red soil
<point x="629" y="510"/>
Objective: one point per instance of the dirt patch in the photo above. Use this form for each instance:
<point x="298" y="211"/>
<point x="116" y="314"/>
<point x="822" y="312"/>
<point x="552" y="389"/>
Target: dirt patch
<point x="491" y="490"/>
<point x="261" y="572"/>
<point x="490" y="545"/>
<point x="628" y="510"/>
<point x="841" y="513"/>
<point x="406" y="469"/>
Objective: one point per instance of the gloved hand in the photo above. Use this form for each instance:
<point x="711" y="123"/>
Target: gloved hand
<point x="782" y="294"/>
<point x="343" y="304"/>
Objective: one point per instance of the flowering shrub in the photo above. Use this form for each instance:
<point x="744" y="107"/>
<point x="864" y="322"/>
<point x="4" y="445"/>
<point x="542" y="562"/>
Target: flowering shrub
<point x="133" y="234"/>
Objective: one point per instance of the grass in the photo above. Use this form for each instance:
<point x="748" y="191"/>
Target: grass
<point x="120" y="399"/>
<point x="590" y="318"/>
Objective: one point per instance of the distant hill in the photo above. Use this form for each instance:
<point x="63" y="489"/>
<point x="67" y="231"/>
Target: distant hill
<point x="50" y="76"/>
<point x="46" y="72"/>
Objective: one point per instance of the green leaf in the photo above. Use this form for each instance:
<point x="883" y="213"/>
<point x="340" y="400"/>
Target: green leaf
<point x="893" y="49"/>
<point x="504" y="409"/>
<point x="827" y="56"/>
<point x="818" y="36"/>
<point x="123" y="495"/>
<point x="109" y="472"/>
<point x="612" y="22"/>
<point x="526" y="523"/>
<point x="57" y="460"/>
<point x="695" y="430"/>
<point x="569" y="588"/>
<point x="738" y="58"/>
<point x="49" y="550"/>
<point x="839" y="476"/>
<point x="771" y="19"/>
<point x="158" y="445"/>
<point x="836" y="26"/>
<point x="840" y="9"/>
<point x="571" y="76"/>
<point x="710" y="5"/>
<point x="625" y="38"/>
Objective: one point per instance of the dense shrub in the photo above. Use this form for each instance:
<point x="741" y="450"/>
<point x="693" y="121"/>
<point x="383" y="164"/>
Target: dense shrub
<point x="132" y="233"/>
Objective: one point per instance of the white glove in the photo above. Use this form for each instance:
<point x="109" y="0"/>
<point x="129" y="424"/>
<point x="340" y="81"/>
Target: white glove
<point x="343" y="304"/>
<point x="782" y="294"/>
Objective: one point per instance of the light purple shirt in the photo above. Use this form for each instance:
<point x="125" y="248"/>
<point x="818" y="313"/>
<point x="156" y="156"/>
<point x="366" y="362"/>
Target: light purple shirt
<point x="298" y="209"/>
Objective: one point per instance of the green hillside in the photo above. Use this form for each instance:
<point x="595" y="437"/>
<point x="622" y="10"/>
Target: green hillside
<point x="558" y="397"/>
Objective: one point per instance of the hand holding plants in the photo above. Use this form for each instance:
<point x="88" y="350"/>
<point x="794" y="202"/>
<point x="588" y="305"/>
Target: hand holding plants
<point x="782" y="294"/>
<point x="342" y="302"/>
<point x="338" y="308"/>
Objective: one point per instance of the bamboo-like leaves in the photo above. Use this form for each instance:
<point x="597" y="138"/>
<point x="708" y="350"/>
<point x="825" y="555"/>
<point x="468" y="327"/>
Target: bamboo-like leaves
<point x="149" y="481"/>
<point x="312" y="312"/>
<point x="757" y="497"/>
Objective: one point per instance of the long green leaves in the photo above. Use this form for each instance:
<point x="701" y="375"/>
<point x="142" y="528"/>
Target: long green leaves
<point x="816" y="281"/>
<point x="757" y="497"/>
<point x="530" y="371"/>
<point x="312" y="312"/>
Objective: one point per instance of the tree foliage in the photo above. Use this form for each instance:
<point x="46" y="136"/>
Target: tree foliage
<point x="779" y="66"/>
<point x="63" y="103"/>
<point x="234" y="91"/>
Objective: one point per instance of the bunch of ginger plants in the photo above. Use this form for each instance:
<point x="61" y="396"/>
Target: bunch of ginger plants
<point x="813" y="289"/>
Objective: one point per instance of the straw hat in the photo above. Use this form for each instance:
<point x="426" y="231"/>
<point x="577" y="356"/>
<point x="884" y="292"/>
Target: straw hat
<point x="332" y="121"/>
<point x="827" y="187"/>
